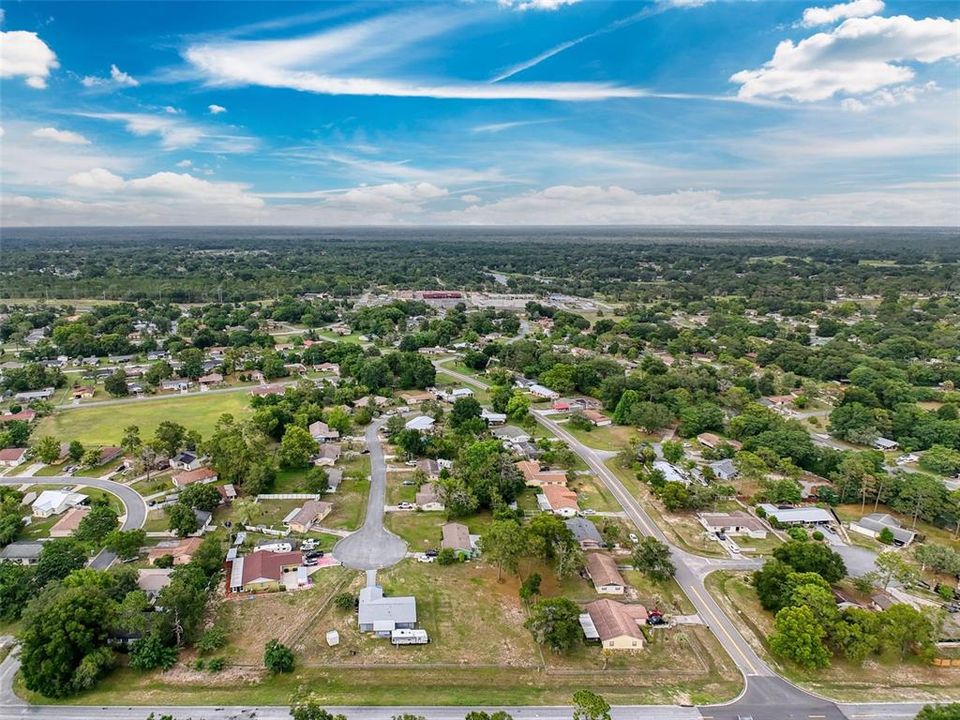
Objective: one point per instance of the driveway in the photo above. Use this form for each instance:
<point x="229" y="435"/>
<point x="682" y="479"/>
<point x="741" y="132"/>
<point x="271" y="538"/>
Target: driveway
<point x="372" y="546"/>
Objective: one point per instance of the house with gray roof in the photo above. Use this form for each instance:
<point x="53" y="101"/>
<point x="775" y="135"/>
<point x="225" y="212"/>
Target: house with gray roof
<point x="382" y="615"/>
<point x="585" y="533"/>
<point x="875" y="523"/>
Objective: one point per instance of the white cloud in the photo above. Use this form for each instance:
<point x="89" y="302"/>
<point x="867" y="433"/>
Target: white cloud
<point x="96" y="179"/>
<point x="171" y="110"/>
<point x="216" y="109"/>
<point x="814" y="16"/>
<point x="167" y="186"/>
<point x="685" y="3"/>
<point x="184" y="164"/>
<point x="470" y="198"/>
<point x="175" y="133"/>
<point x="67" y="137"/>
<point x="353" y="58"/>
<point x="536" y="4"/>
<point x="500" y="127"/>
<point x="24" y="54"/>
<point x="118" y="78"/>
<point x="860" y="56"/>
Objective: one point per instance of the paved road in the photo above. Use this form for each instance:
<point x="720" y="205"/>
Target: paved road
<point x="135" y="509"/>
<point x="373" y="546"/>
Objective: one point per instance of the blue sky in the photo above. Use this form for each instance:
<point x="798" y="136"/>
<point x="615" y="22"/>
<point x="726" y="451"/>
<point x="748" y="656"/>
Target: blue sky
<point x="480" y="112"/>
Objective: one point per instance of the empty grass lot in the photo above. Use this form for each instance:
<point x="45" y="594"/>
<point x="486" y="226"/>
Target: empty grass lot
<point x="479" y="653"/>
<point x="104" y="425"/>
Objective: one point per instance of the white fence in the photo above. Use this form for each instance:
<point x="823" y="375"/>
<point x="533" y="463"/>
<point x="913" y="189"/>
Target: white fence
<point x="288" y="496"/>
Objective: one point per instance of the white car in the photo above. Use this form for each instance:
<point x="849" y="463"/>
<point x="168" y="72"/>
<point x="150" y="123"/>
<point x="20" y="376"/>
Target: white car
<point x="424" y="558"/>
<point x="633" y="538"/>
<point x="406" y="506"/>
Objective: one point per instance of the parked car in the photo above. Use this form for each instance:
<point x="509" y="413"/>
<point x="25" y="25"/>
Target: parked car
<point x="406" y="506"/>
<point x="633" y="538"/>
<point x="431" y="553"/>
<point x="589" y="511"/>
<point x="314" y="555"/>
<point x="310" y="562"/>
<point x="424" y="558"/>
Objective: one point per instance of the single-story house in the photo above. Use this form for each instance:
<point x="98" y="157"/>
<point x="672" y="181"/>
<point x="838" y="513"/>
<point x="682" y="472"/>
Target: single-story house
<point x="181" y="551"/>
<point x="560" y="500"/>
<point x="885" y="444"/>
<point x="31" y="395"/>
<point x="543" y="392"/>
<point x="736" y="524"/>
<point x="596" y="418"/>
<point x="84" y="392"/>
<point x="186" y="460"/>
<point x="328" y="454"/>
<point x="22" y="552"/>
<point x="456" y="537"/>
<point x="302" y="519"/>
<point x="203" y="475"/>
<point x="54" y="502"/>
<point x="616" y="625"/>
<point x="211" y="379"/>
<point x="27" y="416"/>
<point x="798" y="515"/>
<point x="382" y="615"/>
<point x="875" y="523"/>
<point x="11" y="457"/>
<point x="493" y="418"/>
<point x="416" y="397"/>
<point x="334" y="478"/>
<point x="153" y="580"/>
<point x="421" y="423"/>
<point x="511" y="434"/>
<point x="228" y="492"/>
<point x="534" y="476"/>
<point x="108" y="453"/>
<point x="604" y="574"/>
<point x="174" y="385"/>
<point x="724" y="469"/>
<point x="671" y="473"/>
<point x="527" y="450"/>
<point x="321" y="432"/>
<point x="260" y="571"/>
<point x="332" y="368"/>
<point x="204" y="519"/>
<point x="585" y="533"/>
<point x="67" y="525"/>
<point x="430" y="467"/>
<point x="428" y="499"/>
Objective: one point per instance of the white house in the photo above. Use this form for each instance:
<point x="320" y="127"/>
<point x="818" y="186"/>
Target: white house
<point x="421" y="423"/>
<point x="543" y="392"/>
<point x="54" y="502"/>
<point x="493" y="418"/>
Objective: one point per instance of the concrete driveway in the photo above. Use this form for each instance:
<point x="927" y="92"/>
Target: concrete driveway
<point x="372" y="546"/>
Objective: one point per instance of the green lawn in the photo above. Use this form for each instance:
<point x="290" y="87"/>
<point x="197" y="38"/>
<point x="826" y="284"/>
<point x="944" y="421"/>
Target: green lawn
<point x="421" y="530"/>
<point x="157" y="483"/>
<point x="104" y="425"/>
<point x="349" y="504"/>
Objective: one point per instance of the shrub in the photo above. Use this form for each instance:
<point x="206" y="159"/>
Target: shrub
<point x="817" y="535"/>
<point x="164" y="561"/>
<point x="216" y="664"/>
<point x="344" y="601"/>
<point x="886" y="536"/>
<point x="447" y="556"/>
<point x="277" y="657"/>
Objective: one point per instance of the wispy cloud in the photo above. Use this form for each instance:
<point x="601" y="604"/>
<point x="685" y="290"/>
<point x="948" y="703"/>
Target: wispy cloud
<point x="500" y="127"/>
<point x="352" y="58"/>
<point x="176" y="133"/>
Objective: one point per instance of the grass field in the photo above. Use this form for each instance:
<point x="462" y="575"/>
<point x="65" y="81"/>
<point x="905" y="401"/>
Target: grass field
<point x="874" y="681"/>
<point x="479" y="653"/>
<point x="103" y="425"/>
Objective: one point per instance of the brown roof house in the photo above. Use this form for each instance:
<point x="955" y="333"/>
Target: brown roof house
<point x="327" y="455"/>
<point x="265" y="571"/>
<point x="736" y="523"/>
<point x="559" y="500"/>
<point x="534" y="476"/>
<point x="67" y="525"/>
<point x="203" y="475"/>
<point x="302" y="519"/>
<point x="604" y="574"/>
<point x="616" y="625"/>
<point x="321" y="432"/>
<point x="181" y="552"/>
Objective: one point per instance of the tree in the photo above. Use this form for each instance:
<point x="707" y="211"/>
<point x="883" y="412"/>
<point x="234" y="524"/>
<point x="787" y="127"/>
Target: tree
<point x="771" y="584"/>
<point x="891" y="565"/>
<point x="169" y="437"/>
<point x="579" y="421"/>
<point x="16" y="589"/>
<point x="812" y="557"/>
<point x="518" y="407"/>
<point x="950" y="711"/>
<point x="125" y="544"/>
<point x="588" y="705"/>
<point x="75" y="450"/>
<point x="59" y="558"/>
<point x="47" y="449"/>
<point x="504" y="544"/>
<point x="672" y="451"/>
<point x="277" y="657"/>
<point x="555" y="622"/>
<point x="200" y="496"/>
<point x="297" y="447"/>
<point x="798" y="636"/>
<point x="317" y="480"/>
<point x="97" y="524"/>
<point x="904" y="629"/>
<point x="309" y="709"/>
<point x="183" y="521"/>
<point x="464" y="410"/>
<point x="64" y="640"/>
<point x="652" y="558"/>
<point x="530" y="587"/>
<point x="116" y="383"/>
<point x="150" y="653"/>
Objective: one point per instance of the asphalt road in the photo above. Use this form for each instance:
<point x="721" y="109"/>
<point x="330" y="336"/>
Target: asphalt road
<point x="135" y="508"/>
<point x="373" y="546"/>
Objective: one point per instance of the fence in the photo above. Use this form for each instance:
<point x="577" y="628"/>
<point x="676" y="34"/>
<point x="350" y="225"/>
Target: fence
<point x="288" y="496"/>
